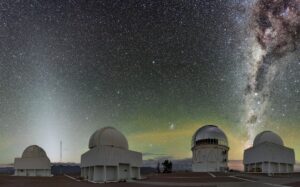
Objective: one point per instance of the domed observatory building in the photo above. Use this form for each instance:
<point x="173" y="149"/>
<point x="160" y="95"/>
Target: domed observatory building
<point x="210" y="150"/>
<point x="34" y="162"/>
<point x="109" y="158"/>
<point x="269" y="155"/>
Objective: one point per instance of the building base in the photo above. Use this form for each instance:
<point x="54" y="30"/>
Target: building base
<point x="33" y="172"/>
<point x="122" y="172"/>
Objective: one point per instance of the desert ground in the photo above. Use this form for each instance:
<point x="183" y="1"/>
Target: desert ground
<point x="161" y="180"/>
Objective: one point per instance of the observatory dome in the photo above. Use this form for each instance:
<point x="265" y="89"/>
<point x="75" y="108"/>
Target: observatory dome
<point x="108" y="136"/>
<point x="210" y="133"/>
<point x="34" y="151"/>
<point x="267" y="136"/>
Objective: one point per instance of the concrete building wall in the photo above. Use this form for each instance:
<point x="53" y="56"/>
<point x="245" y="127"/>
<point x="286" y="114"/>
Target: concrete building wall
<point x="32" y="166"/>
<point x="269" y="152"/>
<point x="82" y="172"/>
<point x="210" y="158"/>
<point x="135" y="172"/>
<point x="269" y="158"/>
<point x="33" y="172"/>
<point x="104" y="163"/>
<point x="20" y="172"/>
<point x="32" y="163"/>
<point x="111" y="173"/>
<point x="99" y="174"/>
<point x="43" y="172"/>
<point x="104" y="155"/>
<point x="205" y="167"/>
<point x="91" y="173"/>
<point x="265" y="167"/>
<point x="271" y="167"/>
<point x="124" y="171"/>
<point x="290" y="168"/>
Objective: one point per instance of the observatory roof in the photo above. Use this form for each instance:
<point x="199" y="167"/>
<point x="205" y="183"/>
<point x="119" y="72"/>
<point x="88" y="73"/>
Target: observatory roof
<point x="267" y="136"/>
<point x="108" y="136"/>
<point x="34" y="151"/>
<point x="210" y="132"/>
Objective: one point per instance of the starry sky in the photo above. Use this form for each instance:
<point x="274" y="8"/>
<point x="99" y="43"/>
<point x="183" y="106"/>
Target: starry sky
<point x="155" y="70"/>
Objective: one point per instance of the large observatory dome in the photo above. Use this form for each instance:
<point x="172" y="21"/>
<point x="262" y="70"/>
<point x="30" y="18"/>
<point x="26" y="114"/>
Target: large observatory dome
<point x="34" y="151"/>
<point x="209" y="134"/>
<point x="267" y="136"/>
<point x="108" y="136"/>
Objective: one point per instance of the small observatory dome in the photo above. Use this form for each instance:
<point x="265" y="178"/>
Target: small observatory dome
<point x="108" y="136"/>
<point x="267" y="136"/>
<point x="269" y="155"/>
<point x="209" y="133"/>
<point x="34" y="151"/>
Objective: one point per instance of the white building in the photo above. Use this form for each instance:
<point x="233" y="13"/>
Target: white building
<point x="210" y="150"/>
<point x="109" y="158"/>
<point x="269" y="155"/>
<point x="34" y="162"/>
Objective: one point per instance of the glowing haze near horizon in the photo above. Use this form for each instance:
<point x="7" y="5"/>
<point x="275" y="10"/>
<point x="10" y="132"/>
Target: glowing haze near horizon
<point x="155" y="70"/>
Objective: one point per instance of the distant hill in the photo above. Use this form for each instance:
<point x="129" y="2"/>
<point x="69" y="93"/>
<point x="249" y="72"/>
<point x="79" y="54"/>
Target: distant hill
<point x="7" y="170"/>
<point x="186" y="164"/>
<point x="65" y="168"/>
<point x="178" y="164"/>
<point x="147" y="170"/>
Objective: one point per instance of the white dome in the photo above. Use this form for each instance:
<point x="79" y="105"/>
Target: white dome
<point x="108" y="136"/>
<point x="267" y="136"/>
<point x="209" y="134"/>
<point x="34" y="151"/>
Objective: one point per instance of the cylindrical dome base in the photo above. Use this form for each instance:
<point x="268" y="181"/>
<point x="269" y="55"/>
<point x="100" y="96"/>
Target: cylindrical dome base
<point x="210" y="158"/>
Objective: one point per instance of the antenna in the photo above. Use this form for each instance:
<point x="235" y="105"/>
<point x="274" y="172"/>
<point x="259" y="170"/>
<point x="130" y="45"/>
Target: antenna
<point x="60" y="151"/>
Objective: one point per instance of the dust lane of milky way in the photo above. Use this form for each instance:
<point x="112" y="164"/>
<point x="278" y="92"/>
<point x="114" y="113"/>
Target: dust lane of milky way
<point x="276" y="26"/>
<point x="155" y="70"/>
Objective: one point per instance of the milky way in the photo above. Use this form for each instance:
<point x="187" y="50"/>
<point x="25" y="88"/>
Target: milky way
<point x="276" y="25"/>
<point x="156" y="70"/>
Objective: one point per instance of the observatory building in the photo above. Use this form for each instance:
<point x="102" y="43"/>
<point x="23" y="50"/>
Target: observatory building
<point x="210" y="149"/>
<point x="269" y="155"/>
<point x="34" y="162"/>
<point x="109" y="158"/>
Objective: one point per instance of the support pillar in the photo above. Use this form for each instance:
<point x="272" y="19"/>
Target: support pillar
<point x="130" y="172"/>
<point x="98" y="173"/>
<point x="87" y="172"/>
<point x="118" y="173"/>
<point x="139" y="173"/>
<point x="84" y="173"/>
<point x="95" y="173"/>
<point x="91" y="173"/>
<point x="104" y="173"/>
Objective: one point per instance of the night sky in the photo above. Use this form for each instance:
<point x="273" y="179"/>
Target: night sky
<point x="155" y="70"/>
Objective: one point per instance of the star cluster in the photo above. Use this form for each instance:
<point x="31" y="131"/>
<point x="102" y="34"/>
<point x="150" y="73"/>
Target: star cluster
<point x="156" y="70"/>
